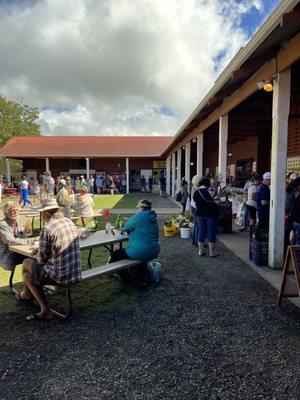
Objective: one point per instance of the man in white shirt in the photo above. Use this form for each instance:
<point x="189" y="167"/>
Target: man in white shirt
<point x="251" y="203"/>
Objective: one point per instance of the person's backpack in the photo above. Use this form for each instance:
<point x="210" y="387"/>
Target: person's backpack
<point x="178" y="196"/>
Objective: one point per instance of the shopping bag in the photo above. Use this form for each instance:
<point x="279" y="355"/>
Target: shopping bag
<point x="154" y="271"/>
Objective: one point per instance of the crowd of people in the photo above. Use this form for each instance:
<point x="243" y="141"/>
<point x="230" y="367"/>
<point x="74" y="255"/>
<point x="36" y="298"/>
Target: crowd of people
<point x="206" y="196"/>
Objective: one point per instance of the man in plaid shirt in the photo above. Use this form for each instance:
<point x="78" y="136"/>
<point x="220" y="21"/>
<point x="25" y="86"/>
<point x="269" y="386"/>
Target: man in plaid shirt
<point x="58" y="259"/>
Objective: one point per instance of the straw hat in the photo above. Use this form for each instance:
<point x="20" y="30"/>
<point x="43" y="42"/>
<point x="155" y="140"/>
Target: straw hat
<point x="49" y="204"/>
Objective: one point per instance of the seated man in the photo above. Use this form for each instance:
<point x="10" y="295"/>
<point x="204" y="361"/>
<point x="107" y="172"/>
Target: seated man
<point x="142" y="229"/>
<point x="58" y="258"/>
<point x="11" y="233"/>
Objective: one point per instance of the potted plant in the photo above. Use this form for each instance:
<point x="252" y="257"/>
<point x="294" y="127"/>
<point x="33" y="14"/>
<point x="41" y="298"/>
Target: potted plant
<point x="183" y="221"/>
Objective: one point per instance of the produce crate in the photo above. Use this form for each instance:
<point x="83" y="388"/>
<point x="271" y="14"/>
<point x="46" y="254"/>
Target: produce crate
<point x="258" y="252"/>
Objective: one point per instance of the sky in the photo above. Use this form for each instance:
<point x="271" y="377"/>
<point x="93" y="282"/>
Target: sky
<point x="119" y="67"/>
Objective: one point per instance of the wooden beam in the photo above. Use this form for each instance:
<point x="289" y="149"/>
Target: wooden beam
<point x="291" y="17"/>
<point x="289" y="53"/>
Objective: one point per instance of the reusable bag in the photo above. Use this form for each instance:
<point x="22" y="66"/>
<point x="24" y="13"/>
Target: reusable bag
<point x="154" y="273"/>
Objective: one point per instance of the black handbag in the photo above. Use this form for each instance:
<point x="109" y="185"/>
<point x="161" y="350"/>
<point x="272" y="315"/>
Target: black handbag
<point x="215" y="207"/>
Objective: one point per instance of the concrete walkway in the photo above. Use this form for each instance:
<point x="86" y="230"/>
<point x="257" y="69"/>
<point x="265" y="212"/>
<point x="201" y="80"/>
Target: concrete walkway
<point x="238" y="243"/>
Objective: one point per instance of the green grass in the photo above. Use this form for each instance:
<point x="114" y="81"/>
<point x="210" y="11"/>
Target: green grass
<point x="104" y="201"/>
<point x="98" y="294"/>
<point x="115" y="201"/>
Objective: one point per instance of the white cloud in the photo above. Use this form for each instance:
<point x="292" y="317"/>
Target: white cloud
<point x="108" y="67"/>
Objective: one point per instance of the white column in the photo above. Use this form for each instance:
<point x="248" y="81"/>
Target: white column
<point x="178" y="177"/>
<point x="87" y="168"/>
<point x="47" y="164"/>
<point x="127" y="175"/>
<point x="8" y="173"/>
<point x="222" y="159"/>
<point x="168" y="175"/>
<point x="200" y="154"/>
<point x="280" y="115"/>
<point x="173" y="175"/>
<point x="187" y="171"/>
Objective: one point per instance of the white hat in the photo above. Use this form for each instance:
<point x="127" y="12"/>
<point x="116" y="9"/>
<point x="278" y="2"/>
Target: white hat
<point x="49" y="204"/>
<point x="267" y="175"/>
<point x="293" y="176"/>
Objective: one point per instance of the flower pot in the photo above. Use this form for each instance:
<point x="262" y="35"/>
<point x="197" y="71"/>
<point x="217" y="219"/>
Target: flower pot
<point x="185" y="233"/>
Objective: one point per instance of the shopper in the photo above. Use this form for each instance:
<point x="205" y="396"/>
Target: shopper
<point x="251" y="203"/>
<point x="295" y="214"/>
<point x="263" y="201"/>
<point x="99" y="182"/>
<point x="184" y="194"/>
<point x="24" y="191"/>
<point x="207" y="212"/>
<point x="195" y="181"/>
<point x="142" y="229"/>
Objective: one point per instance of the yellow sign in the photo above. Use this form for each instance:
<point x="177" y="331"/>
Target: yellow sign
<point x="293" y="164"/>
<point x="159" y="164"/>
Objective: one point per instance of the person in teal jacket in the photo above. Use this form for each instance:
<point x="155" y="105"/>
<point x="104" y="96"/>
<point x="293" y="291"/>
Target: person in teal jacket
<point x="142" y="231"/>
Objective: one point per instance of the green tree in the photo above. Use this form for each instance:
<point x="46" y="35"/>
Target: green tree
<point x="17" y="119"/>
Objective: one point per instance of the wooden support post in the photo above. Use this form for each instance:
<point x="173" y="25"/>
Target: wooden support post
<point x="173" y="174"/>
<point x="200" y="154"/>
<point x="168" y="175"/>
<point x="47" y="164"/>
<point x="178" y="175"/>
<point x="127" y="175"/>
<point x="8" y="173"/>
<point x="87" y="168"/>
<point x="187" y="171"/>
<point x="222" y="159"/>
<point x="280" y="115"/>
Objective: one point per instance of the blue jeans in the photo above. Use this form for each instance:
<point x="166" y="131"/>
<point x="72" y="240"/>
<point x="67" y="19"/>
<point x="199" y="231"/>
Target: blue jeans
<point x="207" y="228"/>
<point x="245" y="217"/>
<point x="195" y="228"/>
<point x="297" y="229"/>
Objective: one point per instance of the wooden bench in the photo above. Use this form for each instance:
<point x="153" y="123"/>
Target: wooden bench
<point x="95" y="273"/>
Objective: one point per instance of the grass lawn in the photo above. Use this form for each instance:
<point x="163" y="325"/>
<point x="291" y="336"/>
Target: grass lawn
<point x="98" y="294"/>
<point x="102" y="201"/>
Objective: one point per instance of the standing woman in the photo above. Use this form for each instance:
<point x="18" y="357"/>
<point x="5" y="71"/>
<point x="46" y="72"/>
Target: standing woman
<point x="184" y="195"/>
<point x="207" y="212"/>
<point x="84" y="205"/>
<point x="195" y="181"/>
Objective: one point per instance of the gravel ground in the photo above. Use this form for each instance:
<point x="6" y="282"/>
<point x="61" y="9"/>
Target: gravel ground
<point x="211" y="330"/>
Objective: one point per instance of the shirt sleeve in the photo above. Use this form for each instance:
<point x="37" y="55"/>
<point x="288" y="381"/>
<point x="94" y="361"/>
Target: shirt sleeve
<point x="45" y="247"/>
<point x="131" y="223"/>
<point x="10" y="239"/>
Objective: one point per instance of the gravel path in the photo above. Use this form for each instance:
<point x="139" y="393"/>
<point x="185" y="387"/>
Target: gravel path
<point x="211" y="330"/>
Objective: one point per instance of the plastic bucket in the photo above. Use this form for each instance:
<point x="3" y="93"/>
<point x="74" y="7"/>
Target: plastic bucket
<point x="185" y="233"/>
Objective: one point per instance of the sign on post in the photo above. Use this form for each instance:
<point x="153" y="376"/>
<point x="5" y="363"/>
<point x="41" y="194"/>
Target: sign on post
<point x="290" y="282"/>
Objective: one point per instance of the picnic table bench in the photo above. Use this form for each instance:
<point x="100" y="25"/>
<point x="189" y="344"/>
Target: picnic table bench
<point x="95" y="239"/>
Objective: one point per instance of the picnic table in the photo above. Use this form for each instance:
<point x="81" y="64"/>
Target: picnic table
<point x="95" y="239"/>
<point x="92" y="240"/>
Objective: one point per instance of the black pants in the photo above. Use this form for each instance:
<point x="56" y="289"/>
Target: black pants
<point x="137" y="275"/>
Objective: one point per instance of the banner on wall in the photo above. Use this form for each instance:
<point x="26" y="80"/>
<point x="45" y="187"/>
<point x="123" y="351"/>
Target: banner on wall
<point x="159" y="164"/>
<point x="293" y="164"/>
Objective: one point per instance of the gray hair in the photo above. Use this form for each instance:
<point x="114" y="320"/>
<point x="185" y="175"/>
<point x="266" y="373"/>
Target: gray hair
<point x="8" y="206"/>
<point x="196" y="179"/>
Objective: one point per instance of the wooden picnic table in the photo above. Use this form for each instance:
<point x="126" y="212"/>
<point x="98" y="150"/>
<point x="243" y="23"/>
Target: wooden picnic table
<point x="94" y="239"/>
